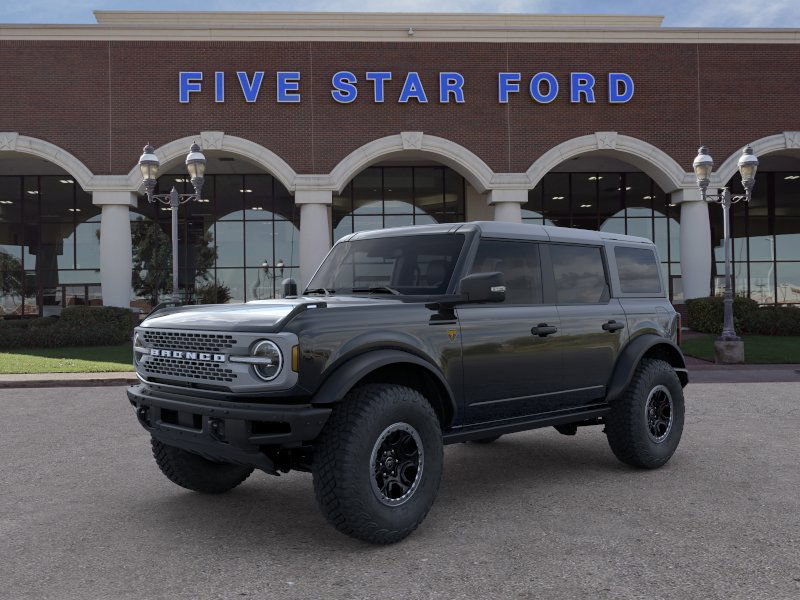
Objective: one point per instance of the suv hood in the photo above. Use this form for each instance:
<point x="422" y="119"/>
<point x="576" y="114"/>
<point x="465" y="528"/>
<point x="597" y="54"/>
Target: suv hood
<point x="259" y="315"/>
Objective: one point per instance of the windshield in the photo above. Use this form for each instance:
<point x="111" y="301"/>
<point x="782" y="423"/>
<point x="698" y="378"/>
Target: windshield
<point x="409" y="264"/>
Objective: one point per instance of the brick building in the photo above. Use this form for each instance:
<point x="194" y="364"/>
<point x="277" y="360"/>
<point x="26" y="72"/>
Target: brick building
<point x="320" y="124"/>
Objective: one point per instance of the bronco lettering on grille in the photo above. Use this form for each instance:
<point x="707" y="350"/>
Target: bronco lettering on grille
<point x="204" y="356"/>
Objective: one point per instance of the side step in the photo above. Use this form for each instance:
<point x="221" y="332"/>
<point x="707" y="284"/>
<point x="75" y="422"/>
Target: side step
<point x="546" y="420"/>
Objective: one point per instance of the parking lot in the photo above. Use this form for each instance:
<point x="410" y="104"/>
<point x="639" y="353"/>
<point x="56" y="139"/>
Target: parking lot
<point x="84" y="513"/>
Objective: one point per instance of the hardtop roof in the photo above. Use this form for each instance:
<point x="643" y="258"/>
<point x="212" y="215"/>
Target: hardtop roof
<point x="504" y="229"/>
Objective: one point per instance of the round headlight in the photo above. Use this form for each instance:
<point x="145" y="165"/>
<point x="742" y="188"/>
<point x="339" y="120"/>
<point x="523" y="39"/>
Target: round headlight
<point x="269" y="368"/>
<point x="138" y="342"/>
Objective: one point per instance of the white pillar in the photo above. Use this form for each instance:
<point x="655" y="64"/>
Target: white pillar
<point x="315" y="230"/>
<point x="115" y="246"/>
<point x="508" y="204"/>
<point x="695" y="243"/>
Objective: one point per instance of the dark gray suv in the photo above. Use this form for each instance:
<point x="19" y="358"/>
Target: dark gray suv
<point x="408" y="339"/>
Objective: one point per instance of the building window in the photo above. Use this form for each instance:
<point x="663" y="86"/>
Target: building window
<point x="766" y="240"/>
<point x="380" y="197"/>
<point x="239" y="243"/>
<point x="630" y="203"/>
<point x="49" y="245"/>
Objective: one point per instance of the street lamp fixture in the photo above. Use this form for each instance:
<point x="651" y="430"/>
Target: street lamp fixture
<point x="196" y="166"/>
<point x="748" y="165"/>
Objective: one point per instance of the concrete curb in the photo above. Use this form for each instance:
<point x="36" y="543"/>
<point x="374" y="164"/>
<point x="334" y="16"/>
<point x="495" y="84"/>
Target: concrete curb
<point x="50" y="380"/>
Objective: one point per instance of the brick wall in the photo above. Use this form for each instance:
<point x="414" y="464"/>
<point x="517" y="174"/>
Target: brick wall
<point x="102" y="101"/>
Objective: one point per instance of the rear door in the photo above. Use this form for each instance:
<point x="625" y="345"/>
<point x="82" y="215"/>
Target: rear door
<point x="510" y="371"/>
<point x="593" y="325"/>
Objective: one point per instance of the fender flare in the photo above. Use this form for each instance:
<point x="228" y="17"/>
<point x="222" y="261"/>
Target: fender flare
<point x="348" y="374"/>
<point x="631" y="356"/>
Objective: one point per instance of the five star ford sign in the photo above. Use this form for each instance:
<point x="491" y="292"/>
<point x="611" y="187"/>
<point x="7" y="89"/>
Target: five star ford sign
<point x="543" y="87"/>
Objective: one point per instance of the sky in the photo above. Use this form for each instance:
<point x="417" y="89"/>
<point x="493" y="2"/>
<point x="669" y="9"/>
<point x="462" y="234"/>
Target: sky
<point x="678" y="13"/>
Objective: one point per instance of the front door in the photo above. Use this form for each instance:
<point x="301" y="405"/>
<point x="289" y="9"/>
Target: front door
<point x="509" y="349"/>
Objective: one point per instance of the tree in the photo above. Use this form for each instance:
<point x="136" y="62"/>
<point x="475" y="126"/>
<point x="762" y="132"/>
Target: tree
<point x="152" y="259"/>
<point x="12" y="279"/>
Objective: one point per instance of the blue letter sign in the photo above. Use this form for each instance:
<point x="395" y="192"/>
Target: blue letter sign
<point x="188" y="81"/>
<point x="451" y="83"/>
<point x="344" y="90"/>
<point x="581" y="83"/>
<point x="536" y="88"/>
<point x="250" y="90"/>
<point x="288" y="86"/>
<point x="412" y="88"/>
<point x="615" y="80"/>
<point x="507" y="83"/>
<point x="543" y="86"/>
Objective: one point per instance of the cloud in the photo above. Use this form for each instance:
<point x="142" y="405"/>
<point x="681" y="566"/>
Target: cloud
<point x="678" y="13"/>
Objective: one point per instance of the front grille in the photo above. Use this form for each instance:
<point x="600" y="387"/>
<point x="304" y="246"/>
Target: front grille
<point x="189" y="369"/>
<point x="193" y="342"/>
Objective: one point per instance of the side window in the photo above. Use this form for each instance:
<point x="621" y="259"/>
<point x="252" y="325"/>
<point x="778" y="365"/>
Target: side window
<point x="519" y="264"/>
<point x="579" y="274"/>
<point x="638" y="270"/>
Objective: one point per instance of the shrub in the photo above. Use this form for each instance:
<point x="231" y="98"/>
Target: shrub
<point x="705" y="315"/>
<point x="77" y="326"/>
<point x="213" y="293"/>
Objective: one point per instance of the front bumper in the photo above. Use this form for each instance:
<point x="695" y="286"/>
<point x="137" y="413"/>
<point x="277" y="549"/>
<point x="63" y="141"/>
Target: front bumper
<point x="235" y="432"/>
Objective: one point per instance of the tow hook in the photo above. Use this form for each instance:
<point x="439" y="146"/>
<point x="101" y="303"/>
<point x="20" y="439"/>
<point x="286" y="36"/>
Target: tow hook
<point x="216" y="428"/>
<point x="143" y="414"/>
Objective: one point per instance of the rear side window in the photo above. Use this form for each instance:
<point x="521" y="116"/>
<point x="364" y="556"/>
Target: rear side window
<point x="638" y="270"/>
<point x="579" y="274"/>
<point x="519" y="264"/>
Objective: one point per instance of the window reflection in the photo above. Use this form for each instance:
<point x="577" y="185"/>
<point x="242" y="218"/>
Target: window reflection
<point x="626" y="203"/>
<point x="380" y="197"/>
<point x="246" y="223"/>
<point x="49" y="245"/>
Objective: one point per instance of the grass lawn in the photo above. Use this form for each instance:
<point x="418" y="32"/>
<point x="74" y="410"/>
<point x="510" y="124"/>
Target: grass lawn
<point x="758" y="349"/>
<point x="91" y="359"/>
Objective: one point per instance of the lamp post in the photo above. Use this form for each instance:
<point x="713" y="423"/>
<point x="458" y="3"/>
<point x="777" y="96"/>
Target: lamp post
<point x="196" y="165"/>
<point x="728" y="346"/>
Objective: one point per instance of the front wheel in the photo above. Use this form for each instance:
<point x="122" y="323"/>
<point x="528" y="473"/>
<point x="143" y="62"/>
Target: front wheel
<point x="378" y="462"/>
<point x="646" y="423"/>
<point x="196" y="473"/>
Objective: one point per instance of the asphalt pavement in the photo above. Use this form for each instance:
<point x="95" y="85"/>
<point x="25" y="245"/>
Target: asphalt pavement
<point x="85" y="513"/>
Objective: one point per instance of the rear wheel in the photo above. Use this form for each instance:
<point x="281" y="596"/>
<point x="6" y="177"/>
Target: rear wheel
<point x="646" y="423"/>
<point x="378" y="462"/>
<point x="196" y="473"/>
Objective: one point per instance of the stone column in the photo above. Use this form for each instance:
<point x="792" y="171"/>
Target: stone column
<point x="315" y="231"/>
<point x="695" y="243"/>
<point x="507" y="204"/>
<point x="116" y="254"/>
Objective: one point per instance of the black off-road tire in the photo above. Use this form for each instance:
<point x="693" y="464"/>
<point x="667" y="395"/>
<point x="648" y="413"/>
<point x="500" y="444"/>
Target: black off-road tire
<point x="196" y="473"/>
<point x="627" y="425"/>
<point x="487" y="440"/>
<point x="344" y="472"/>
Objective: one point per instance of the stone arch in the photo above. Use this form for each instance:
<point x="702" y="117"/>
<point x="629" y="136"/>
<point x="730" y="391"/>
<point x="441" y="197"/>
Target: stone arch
<point x="444" y="151"/>
<point x="781" y="142"/>
<point x="11" y="141"/>
<point x="218" y="140"/>
<point x="656" y="163"/>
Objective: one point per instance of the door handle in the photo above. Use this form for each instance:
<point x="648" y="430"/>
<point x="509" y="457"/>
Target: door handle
<point x="543" y="330"/>
<point x="612" y="326"/>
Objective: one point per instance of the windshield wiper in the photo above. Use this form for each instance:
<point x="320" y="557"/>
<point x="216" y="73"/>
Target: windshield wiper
<point x="323" y="291"/>
<point x="377" y="289"/>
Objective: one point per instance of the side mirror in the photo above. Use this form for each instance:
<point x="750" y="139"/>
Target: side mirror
<point x="483" y="287"/>
<point x="289" y="287"/>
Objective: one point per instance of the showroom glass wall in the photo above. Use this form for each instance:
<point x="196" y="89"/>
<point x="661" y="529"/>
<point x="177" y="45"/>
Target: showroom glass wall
<point x="244" y="236"/>
<point x="766" y="240"/>
<point x="619" y="202"/>
<point x="396" y="196"/>
<point x="49" y="245"/>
